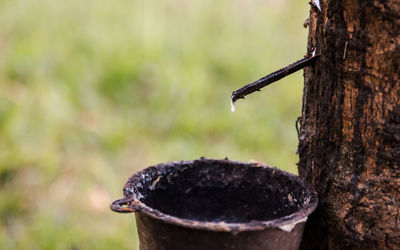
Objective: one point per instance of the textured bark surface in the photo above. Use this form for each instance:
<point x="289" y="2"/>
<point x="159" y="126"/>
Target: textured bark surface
<point x="349" y="141"/>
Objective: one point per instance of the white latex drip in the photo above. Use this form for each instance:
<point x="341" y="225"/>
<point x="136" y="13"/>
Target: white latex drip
<point x="233" y="106"/>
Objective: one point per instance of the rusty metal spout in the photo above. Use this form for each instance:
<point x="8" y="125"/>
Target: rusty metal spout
<point x="273" y="77"/>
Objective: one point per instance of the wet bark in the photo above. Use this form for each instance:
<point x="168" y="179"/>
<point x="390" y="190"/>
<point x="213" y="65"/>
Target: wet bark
<point x="349" y="141"/>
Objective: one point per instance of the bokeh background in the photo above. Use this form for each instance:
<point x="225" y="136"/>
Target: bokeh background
<point x="93" y="91"/>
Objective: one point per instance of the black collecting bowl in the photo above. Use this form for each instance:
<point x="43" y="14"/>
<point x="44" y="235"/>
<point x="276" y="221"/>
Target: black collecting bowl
<point x="217" y="204"/>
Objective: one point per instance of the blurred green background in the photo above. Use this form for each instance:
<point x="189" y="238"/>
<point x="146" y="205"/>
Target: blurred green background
<point x="93" y="91"/>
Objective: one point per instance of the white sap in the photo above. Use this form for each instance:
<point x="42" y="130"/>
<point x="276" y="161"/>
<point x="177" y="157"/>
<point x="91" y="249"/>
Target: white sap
<point x="316" y="2"/>
<point x="233" y="106"/>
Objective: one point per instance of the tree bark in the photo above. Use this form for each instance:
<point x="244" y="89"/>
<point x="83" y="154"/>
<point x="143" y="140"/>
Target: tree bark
<point x="349" y="140"/>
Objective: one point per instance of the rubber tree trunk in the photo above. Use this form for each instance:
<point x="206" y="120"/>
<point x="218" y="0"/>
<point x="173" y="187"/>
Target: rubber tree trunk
<point x="349" y="140"/>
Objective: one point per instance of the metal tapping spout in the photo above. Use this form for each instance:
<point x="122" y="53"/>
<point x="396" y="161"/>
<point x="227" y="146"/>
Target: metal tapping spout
<point x="273" y="77"/>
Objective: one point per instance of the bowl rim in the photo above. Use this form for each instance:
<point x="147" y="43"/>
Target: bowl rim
<point x="288" y="221"/>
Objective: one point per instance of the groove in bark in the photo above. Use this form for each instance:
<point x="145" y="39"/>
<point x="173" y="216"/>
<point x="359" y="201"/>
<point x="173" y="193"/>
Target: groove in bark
<point x="349" y="141"/>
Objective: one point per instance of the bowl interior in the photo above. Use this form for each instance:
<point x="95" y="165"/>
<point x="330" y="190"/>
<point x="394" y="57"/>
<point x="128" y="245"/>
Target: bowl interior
<point x="215" y="191"/>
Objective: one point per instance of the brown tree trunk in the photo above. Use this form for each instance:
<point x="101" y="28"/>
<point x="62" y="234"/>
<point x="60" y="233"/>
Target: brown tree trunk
<point x="349" y="141"/>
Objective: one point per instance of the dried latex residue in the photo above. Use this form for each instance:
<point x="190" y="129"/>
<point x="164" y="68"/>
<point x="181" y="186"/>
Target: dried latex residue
<point x="289" y="227"/>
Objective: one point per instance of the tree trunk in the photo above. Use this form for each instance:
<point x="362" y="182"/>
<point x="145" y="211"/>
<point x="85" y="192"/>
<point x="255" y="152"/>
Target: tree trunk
<point x="349" y="141"/>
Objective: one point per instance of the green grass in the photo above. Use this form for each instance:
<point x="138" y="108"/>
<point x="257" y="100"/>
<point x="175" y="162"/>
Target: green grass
<point x="92" y="91"/>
